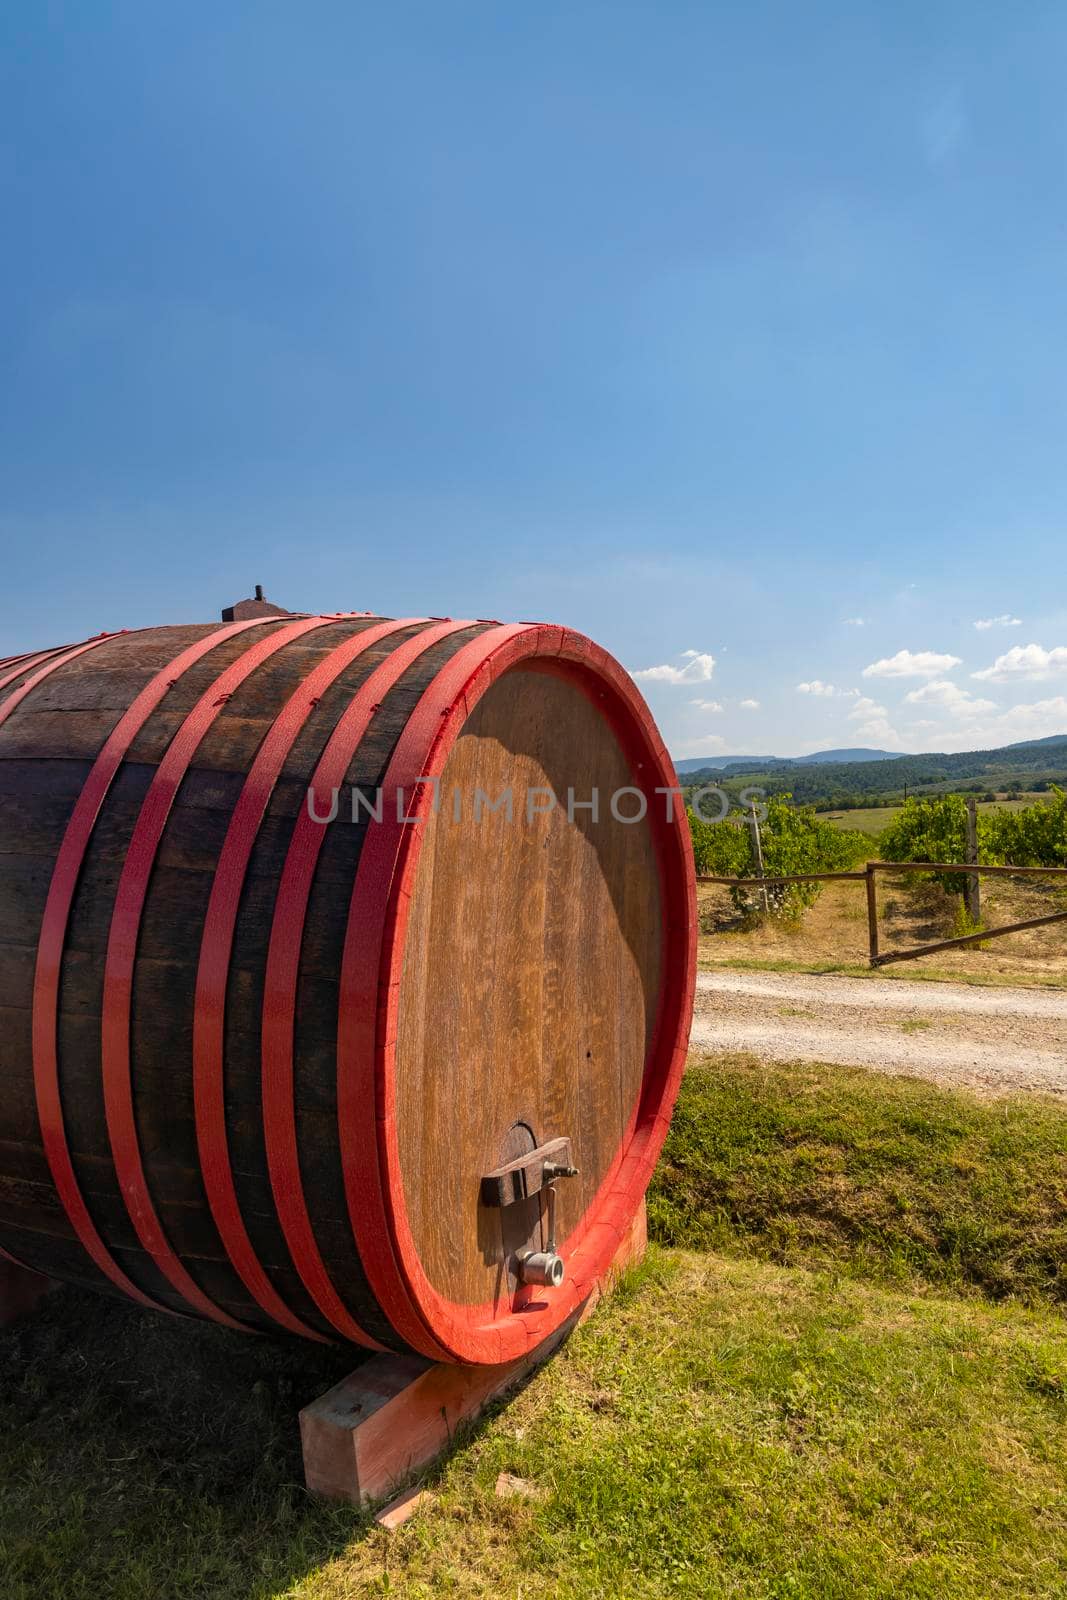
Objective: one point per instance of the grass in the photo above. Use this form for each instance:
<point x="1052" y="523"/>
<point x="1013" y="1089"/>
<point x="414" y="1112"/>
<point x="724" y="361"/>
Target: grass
<point x="866" y="819"/>
<point x="886" y="1178"/>
<point x="843" y="1404"/>
<point x="724" y="1428"/>
<point x="909" y="972"/>
<point x="734" y="1430"/>
<point x="142" y="1457"/>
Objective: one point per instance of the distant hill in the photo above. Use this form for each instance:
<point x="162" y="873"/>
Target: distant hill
<point x="817" y="758"/>
<point x="828" y="757"/>
<point x="700" y="763"/>
<point x="842" y="782"/>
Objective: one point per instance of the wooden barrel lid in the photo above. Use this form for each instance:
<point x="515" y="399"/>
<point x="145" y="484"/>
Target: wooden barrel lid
<point x="533" y="980"/>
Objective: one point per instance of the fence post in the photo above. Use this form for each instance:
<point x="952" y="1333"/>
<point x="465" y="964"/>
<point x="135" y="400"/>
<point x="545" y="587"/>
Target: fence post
<point x="972" y="893"/>
<point x="757" y="853"/>
<point x="872" y="911"/>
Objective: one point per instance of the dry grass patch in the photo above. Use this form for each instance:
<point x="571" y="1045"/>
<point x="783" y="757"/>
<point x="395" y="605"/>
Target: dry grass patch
<point x="832" y="935"/>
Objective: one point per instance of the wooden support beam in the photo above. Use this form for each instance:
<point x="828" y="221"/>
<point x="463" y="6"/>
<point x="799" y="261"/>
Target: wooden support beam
<point x="395" y="1414"/>
<point x="872" y="911"/>
<point x="756" y="845"/>
<point x="972" y="892"/>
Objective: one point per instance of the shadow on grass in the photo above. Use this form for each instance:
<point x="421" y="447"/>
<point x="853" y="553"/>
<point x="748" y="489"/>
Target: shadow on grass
<point x="145" y="1456"/>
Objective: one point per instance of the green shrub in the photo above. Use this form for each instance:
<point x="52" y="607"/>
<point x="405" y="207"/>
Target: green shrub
<point x="930" y="828"/>
<point x="963" y="924"/>
<point x="1034" y="836"/>
<point x="720" y="849"/>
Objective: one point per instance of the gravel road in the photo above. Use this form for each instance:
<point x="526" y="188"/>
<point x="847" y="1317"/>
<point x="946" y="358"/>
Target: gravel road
<point x="996" y="1041"/>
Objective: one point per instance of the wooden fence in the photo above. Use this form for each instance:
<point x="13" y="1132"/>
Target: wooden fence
<point x="869" y="877"/>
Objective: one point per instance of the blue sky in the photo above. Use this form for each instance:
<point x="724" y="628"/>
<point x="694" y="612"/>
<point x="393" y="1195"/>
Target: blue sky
<point x="733" y="336"/>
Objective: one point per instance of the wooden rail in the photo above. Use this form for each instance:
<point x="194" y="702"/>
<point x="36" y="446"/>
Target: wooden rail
<point x="795" y="877"/>
<point x="968" y="938"/>
<point x="963" y="866"/>
<point x="869" y="877"/>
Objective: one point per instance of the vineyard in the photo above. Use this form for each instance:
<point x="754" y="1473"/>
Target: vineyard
<point x="935" y="829"/>
<point x="917" y="912"/>
<point x="793" y="839"/>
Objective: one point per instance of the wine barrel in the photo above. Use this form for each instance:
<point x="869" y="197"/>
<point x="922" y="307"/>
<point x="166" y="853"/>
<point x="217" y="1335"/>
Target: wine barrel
<point x="304" y="1025"/>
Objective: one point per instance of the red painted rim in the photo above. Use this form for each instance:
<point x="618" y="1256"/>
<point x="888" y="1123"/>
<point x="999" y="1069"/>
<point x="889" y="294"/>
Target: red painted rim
<point x="213" y="974"/>
<point x="52" y="941"/>
<point x="279" y="995"/>
<point x="370" y="980"/>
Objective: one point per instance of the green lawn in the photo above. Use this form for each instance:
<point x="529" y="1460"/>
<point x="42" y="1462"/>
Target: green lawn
<point x="885" y="1178"/>
<point x="867" y="1399"/>
<point x="866" y="819"/>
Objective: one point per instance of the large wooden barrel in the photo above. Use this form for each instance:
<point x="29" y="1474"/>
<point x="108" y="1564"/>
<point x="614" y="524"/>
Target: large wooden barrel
<point x="295" y="1070"/>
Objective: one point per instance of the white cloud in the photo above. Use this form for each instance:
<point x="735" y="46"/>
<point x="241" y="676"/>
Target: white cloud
<point x="1035" y="720"/>
<point x="944" y="693"/>
<point x="816" y="687"/>
<point x="826" y="691"/>
<point x="865" y="707"/>
<point x="750" y="705"/>
<point x="707" y="705"/>
<point x="821" y="690"/>
<point x="855" y="622"/>
<point x="1004" y="621"/>
<point x="1025" y="661"/>
<point x="699" y="670"/>
<point x="873" y="724"/>
<point x="912" y="664"/>
<point x="880" y="731"/>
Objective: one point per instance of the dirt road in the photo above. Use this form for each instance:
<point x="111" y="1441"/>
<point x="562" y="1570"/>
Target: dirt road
<point x="996" y="1041"/>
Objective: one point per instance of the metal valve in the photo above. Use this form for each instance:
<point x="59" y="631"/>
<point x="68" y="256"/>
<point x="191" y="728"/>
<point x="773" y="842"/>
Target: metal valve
<point x="521" y="1179"/>
<point x="546" y="1266"/>
<point x="541" y="1266"/>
